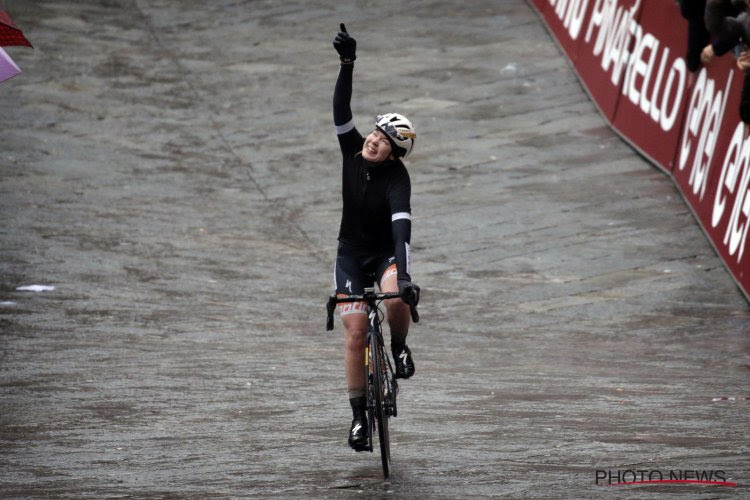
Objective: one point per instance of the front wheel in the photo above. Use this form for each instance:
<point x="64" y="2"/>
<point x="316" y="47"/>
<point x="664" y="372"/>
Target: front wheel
<point x="376" y="350"/>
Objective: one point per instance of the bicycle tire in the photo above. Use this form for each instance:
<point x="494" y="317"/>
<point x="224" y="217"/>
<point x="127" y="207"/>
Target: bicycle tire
<point x="370" y="394"/>
<point x="380" y="413"/>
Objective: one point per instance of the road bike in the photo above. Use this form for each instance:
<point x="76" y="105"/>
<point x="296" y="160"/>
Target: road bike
<point x="382" y="387"/>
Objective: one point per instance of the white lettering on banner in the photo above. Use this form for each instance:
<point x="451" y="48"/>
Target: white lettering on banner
<point x="571" y="13"/>
<point x="616" y="25"/>
<point x="658" y="95"/>
<point x="638" y="67"/>
<point x="736" y="162"/>
<point x="657" y="109"/>
<point x="705" y="113"/>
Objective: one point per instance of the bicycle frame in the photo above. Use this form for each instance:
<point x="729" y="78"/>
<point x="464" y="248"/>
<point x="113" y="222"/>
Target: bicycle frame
<point x="391" y="387"/>
<point x="382" y="387"/>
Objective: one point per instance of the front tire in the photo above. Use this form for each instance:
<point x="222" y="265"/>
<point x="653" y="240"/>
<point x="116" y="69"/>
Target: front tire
<point x="380" y="413"/>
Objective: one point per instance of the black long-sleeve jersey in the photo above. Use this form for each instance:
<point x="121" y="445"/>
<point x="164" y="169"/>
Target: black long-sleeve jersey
<point x="376" y="215"/>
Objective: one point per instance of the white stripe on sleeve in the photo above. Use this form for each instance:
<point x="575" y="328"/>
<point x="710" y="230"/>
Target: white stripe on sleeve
<point x="400" y="215"/>
<point x="346" y="127"/>
<point x="408" y="258"/>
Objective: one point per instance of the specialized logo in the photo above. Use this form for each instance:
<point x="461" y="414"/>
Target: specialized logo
<point x="402" y="356"/>
<point x="356" y="428"/>
<point x="390" y="272"/>
<point x="349" y="285"/>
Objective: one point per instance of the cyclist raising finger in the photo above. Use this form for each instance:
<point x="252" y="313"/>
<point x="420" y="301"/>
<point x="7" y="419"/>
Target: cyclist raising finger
<point x="375" y="232"/>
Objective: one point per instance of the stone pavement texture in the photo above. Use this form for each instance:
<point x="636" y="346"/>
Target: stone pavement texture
<point x="170" y="167"/>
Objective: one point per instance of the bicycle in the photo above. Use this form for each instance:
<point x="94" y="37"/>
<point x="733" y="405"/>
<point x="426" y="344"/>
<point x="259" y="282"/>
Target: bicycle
<point x="382" y="387"/>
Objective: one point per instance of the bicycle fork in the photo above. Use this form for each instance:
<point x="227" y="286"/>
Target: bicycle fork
<point x="390" y="386"/>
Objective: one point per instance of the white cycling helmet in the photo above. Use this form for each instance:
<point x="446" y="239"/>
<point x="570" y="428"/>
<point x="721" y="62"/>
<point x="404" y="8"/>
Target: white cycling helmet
<point x="400" y="133"/>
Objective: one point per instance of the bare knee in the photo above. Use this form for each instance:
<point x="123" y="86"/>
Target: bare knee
<point x="355" y="338"/>
<point x="398" y="310"/>
<point x="355" y="331"/>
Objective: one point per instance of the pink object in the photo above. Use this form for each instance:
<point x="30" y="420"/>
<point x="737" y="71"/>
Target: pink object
<point x="8" y="68"/>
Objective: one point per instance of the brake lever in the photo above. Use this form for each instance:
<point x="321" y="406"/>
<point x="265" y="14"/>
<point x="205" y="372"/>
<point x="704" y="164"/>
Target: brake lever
<point x="414" y="313"/>
<point x="330" y="307"/>
<point x="413" y="301"/>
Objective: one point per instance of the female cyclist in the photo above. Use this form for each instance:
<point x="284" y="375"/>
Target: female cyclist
<point x="374" y="234"/>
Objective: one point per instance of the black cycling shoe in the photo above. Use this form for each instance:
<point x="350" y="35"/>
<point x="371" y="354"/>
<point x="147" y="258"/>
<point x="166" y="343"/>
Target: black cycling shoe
<point x="404" y="363"/>
<point x="358" y="433"/>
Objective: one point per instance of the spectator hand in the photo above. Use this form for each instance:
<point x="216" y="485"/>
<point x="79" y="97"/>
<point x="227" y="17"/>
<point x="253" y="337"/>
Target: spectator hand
<point x="345" y="45"/>
<point x="707" y="54"/>
<point x="743" y="61"/>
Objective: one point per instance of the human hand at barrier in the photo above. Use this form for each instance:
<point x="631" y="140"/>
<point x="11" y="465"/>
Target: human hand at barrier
<point x="345" y="45"/>
<point x="743" y="61"/>
<point x="690" y="79"/>
<point x="707" y="54"/>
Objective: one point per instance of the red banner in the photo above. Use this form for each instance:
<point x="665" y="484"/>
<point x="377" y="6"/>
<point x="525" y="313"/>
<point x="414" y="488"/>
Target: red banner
<point x="712" y="164"/>
<point x="629" y="54"/>
<point x="540" y="5"/>
<point x="565" y="20"/>
<point x="596" y="37"/>
<point x="652" y="102"/>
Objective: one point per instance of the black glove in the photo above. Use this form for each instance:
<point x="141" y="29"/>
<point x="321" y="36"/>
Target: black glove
<point x="345" y="45"/>
<point x="410" y="294"/>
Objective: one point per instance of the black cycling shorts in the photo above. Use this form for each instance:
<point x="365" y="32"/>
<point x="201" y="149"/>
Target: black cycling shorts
<point x="356" y="270"/>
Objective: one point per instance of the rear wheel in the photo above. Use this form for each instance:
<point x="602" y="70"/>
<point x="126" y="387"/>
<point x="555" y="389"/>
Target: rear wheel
<point x="378" y="379"/>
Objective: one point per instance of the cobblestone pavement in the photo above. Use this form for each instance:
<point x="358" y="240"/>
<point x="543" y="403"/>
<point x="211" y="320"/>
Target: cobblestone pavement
<point x="170" y="168"/>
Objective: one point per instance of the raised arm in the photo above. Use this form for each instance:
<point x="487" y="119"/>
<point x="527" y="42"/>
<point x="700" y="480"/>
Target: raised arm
<point x="342" y="97"/>
<point x="346" y="46"/>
